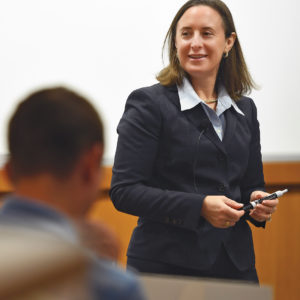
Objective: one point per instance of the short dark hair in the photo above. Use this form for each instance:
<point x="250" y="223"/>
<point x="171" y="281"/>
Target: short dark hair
<point x="233" y="72"/>
<point x="49" y="131"/>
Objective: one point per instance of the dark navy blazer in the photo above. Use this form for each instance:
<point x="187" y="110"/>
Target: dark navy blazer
<point x="167" y="161"/>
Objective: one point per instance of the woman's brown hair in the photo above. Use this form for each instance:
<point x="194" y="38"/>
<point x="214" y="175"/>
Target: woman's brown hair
<point x="233" y="72"/>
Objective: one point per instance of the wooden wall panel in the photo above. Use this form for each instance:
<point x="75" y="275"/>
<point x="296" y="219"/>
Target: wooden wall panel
<point x="5" y="186"/>
<point x="282" y="173"/>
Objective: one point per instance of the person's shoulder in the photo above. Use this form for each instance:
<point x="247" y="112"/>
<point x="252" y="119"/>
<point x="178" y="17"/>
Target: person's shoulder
<point x="245" y="101"/>
<point x="155" y="98"/>
<point x="155" y="90"/>
<point x="111" y="282"/>
<point x="246" y="104"/>
<point x="248" y="107"/>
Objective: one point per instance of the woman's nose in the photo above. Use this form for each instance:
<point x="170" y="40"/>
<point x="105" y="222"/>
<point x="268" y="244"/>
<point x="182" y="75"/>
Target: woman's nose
<point x="197" y="41"/>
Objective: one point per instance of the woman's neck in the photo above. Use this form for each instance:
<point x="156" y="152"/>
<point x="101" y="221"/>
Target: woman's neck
<point x="205" y="88"/>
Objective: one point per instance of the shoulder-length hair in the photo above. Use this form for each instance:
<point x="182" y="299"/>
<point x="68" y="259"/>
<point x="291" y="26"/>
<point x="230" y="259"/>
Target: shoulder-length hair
<point x="233" y="73"/>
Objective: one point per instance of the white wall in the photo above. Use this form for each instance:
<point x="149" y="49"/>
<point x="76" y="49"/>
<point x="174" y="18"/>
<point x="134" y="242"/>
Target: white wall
<point x="105" y="49"/>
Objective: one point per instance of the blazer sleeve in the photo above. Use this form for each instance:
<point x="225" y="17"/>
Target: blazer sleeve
<point x="253" y="179"/>
<point x="137" y="148"/>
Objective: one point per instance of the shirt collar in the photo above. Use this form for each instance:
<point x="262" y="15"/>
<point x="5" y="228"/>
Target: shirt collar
<point x="29" y="213"/>
<point x="188" y="98"/>
<point x="15" y="204"/>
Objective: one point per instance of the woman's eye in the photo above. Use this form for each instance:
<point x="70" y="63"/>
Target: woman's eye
<point x="185" y="33"/>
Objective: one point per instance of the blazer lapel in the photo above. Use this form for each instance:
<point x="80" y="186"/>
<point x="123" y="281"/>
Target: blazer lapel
<point x="199" y="119"/>
<point x="212" y="135"/>
<point x="230" y="116"/>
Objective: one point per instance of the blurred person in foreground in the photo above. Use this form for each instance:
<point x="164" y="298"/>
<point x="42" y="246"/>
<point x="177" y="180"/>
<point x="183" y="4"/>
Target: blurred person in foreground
<point x="55" y="140"/>
<point x="189" y="157"/>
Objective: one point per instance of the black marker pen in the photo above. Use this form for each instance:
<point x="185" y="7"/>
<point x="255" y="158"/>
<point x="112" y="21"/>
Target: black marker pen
<point x="253" y="204"/>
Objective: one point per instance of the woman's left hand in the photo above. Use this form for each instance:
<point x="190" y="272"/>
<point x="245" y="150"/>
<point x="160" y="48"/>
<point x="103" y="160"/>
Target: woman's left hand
<point x="263" y="212"/>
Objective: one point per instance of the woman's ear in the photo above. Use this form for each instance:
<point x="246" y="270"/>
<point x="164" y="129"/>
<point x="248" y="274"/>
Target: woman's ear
<point x="230" y="42"/>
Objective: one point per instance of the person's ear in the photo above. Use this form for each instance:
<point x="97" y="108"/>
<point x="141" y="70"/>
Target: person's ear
<point x="90" y="162"/>
<point x="230" y="42"/>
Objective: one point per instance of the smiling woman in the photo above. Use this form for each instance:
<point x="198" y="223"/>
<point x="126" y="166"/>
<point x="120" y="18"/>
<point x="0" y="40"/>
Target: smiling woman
<point x="201" y="43"/>
<point x="208" y="31"/>
<point x="188" y="155"/>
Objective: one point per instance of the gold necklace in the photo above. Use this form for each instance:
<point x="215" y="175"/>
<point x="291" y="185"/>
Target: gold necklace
<point x="210" y="101"/>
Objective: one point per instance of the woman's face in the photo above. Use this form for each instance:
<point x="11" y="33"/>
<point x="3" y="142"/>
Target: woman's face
<point x="200" y="41"/>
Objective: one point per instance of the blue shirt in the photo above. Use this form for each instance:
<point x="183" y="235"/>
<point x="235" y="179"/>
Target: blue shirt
<point x="188" y="99"/>
<point x="108" y="282"/>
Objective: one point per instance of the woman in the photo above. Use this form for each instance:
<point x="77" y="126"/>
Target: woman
<point x="188" y="155"/>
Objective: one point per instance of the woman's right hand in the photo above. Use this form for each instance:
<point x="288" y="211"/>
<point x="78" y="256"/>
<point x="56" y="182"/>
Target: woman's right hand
<point x="220" y="211"/>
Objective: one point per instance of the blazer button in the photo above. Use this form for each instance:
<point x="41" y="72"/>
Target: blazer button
<point x="221" y="188"/>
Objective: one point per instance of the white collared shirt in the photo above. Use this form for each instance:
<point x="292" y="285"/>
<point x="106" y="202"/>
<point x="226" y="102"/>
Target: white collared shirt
<point x="188" y="99"/>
